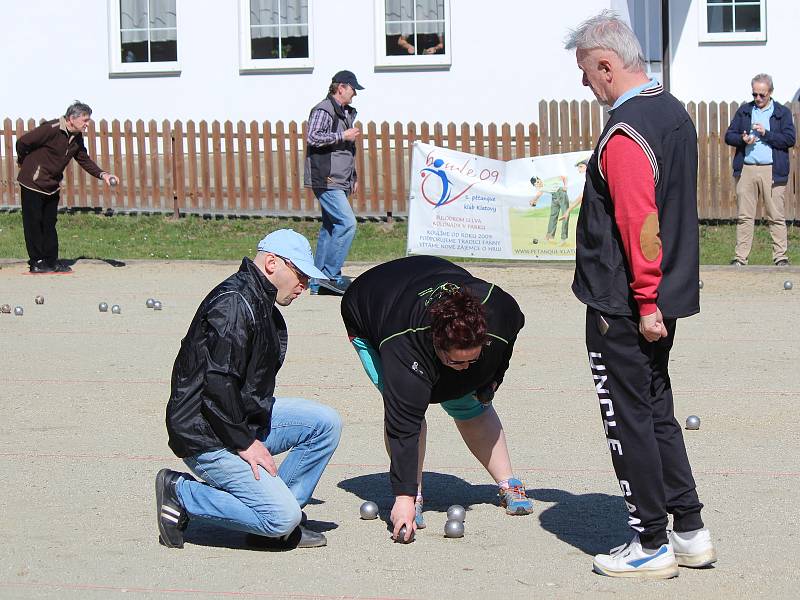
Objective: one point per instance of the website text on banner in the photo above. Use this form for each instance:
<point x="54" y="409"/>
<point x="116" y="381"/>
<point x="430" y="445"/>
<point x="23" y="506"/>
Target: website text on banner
<point x="465" y="205"/>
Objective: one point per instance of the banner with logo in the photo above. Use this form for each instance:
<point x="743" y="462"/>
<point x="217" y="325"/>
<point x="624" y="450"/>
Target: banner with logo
<point x="466" y="205"/>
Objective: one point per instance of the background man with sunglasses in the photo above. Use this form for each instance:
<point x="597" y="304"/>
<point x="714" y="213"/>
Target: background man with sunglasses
<point x="762" y="132"/>
<point x="428" y="332"/>
<point x="224" y="421"/>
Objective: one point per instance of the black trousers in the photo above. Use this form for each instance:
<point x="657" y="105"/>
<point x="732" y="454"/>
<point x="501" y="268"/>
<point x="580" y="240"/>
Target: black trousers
<point x="631" y="377"/>
<point x="39" y="216"/>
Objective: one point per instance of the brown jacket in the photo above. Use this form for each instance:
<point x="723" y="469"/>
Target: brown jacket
<point x="45" y="152"/>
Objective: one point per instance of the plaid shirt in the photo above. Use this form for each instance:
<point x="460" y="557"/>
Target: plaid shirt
<point x="319" y="130"/>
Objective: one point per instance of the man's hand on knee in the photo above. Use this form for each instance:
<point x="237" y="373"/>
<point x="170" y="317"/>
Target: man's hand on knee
<point x="257" y="455"/>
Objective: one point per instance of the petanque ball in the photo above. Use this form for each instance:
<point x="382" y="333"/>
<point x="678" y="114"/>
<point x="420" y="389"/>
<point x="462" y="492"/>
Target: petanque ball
<point x="456" y="513"/>
<point x="369" y="511"/>
<point x="112" y="181"/>
<point x="6" y="308"/>
<point x="700" y="284"/>
<point x="692" y="422"/>
<point x="454" y="529"/>
<point x="787" y="285"/>
<point x="103" y="307"/>
<point x="150" y="302"/>
<point x="39" y="300"/>
<point x="157" y="305"/>
<point x="401" y="536"/>
<point x="115" y="309"/>
<point x="18" y="311"/>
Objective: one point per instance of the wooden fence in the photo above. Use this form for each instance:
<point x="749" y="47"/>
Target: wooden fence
<point x="257" y="168"/>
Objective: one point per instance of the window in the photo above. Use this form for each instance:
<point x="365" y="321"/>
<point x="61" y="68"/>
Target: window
<point x="274" y="34"/>
<point x="646" y="24"/>
<point x="412" y="33"/>
<point x="144" y="37"/>
<point x="733" y="21"/>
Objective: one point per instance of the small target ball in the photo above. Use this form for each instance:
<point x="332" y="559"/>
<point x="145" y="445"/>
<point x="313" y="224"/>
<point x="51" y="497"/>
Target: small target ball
<point x="401" y="536"/>
<point x="692" y="422"/>
<point x="787" y="285"/>
<point x="112" y="181"/>
<point x="39" y="300"/>
<point x="150" y="302"/>
<point x="18" y="311"/>
<point x="157" y="305"/>
<point x="456" y="513"/>
<point x="700" y="284"/>
<point x="6" y="308"/>
<point x="369" y="511"/>
<point x="454" y="529"/>
<point x="103" y="307"/>
<point x="115" y="309"/>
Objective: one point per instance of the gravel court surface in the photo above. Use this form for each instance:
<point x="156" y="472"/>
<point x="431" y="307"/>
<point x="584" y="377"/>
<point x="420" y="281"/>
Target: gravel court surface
<point x="82" y="436"/>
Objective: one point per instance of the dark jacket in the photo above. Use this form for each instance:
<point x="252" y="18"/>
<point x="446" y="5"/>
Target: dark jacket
<point x="43" y="154"/>
<point x="780" y="137"/>
<point x="224" y="376"/>
<point x="661" y="126"/>
<point x="333" y="166"/>
<point x="388" y="307"/>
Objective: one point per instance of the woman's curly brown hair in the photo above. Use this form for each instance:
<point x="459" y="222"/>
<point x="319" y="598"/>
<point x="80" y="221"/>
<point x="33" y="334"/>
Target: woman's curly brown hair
<point x="458" y="320"/>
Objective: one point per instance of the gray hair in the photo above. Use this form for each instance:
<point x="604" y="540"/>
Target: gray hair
<point x="78" y="109"/>
<point x="607" y="31"/>
<point x="763" y="78"/>
<point x="334" y="87"/>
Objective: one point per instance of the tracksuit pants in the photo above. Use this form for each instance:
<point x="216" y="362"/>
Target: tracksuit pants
<point x="631" y="377"/>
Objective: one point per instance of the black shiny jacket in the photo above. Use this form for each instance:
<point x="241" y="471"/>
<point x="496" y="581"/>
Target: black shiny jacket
<point x="224" y="376"/>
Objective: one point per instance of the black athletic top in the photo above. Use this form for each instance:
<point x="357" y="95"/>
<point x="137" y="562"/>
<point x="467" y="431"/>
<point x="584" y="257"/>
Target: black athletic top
<point x="387" y="306"/>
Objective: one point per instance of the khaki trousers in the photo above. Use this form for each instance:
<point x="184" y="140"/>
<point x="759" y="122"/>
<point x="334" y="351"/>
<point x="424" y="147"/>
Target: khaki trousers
<point x="754" y="182"/>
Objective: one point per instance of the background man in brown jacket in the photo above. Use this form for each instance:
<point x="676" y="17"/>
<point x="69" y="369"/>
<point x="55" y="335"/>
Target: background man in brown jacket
<point x="42" y="155"/>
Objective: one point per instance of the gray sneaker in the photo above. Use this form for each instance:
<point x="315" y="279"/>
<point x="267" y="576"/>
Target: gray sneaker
<point x="337" y="286"/>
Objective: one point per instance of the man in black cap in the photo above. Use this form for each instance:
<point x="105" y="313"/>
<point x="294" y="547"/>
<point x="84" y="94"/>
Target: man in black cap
<point x="330" y="171"/>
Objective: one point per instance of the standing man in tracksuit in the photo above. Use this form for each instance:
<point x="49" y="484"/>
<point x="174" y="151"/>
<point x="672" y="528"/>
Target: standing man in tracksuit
<point x="637" y="267"/>
<point x="330" y="171"/>
<point x="428" y="332"/>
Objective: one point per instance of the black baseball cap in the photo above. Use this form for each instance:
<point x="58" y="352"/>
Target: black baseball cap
<point x="347" y="77"/>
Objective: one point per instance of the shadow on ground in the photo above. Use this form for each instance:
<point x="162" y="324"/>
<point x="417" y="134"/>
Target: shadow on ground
<point x="592" y="523"/>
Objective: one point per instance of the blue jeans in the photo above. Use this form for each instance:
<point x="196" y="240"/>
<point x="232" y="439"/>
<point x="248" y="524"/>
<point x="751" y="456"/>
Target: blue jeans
<point x="233" y="498"/>
<point x="337" y="231"/>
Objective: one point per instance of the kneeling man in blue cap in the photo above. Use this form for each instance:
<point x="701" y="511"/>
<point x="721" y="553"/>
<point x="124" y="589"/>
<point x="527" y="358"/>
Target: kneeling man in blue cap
<point x="224" y="421"/>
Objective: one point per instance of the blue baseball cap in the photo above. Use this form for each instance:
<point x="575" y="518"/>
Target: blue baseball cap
<point x="347" y="77"/>
<point x="292" y="246"/>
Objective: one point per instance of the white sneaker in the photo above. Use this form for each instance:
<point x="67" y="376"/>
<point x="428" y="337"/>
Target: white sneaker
<point x="631" y="560"/>
<point x="693" y="548"/>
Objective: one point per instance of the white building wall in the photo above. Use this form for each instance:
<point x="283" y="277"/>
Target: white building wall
<point x="506" y="56"/>
<point x="722" y="71"/>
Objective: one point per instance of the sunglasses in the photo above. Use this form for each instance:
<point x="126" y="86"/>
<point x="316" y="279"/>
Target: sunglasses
<point x="454" y="363"/>
<point x="301" y="277"/>
<point x="757" y="95"/>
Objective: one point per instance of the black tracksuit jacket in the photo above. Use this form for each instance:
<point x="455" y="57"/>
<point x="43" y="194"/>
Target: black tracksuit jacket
<point x="224" y="376"/>
<point x="387" y="306"/>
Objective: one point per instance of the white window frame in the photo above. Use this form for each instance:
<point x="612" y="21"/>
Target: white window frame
<point x="247" y="64"/>
<point x="731" y="36"/>
<point x="119" y="68"/>
<point x="412" y="61"/>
